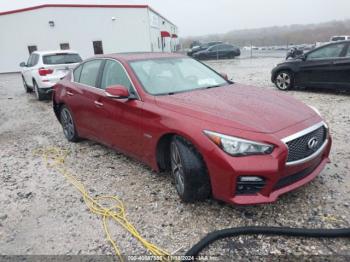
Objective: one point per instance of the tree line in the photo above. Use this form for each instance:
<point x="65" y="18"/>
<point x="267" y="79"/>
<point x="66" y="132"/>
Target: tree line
<point x="278" y="35"/>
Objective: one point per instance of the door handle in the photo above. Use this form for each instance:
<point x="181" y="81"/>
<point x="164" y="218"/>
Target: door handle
<point x="70" y="93"/>
<point x="98" y="104"/>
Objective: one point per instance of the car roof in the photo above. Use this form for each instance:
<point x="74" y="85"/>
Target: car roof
<point x="221" y="44"/>
<point x="213" y="43"/>
<point x="134" y="56"/>
<point x="55" y="52"/>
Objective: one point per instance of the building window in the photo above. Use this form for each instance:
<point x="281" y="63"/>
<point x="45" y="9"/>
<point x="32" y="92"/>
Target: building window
<point x="98" y="49"/>
<point x="64" y="46"/>
<point x="32" y="48"/>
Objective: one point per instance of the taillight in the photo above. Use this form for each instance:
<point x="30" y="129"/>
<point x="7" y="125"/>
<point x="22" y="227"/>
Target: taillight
<point x="44" y="71"/>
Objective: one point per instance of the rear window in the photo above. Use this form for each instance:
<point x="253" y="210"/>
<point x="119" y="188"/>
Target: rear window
<point x="57" y="59"/>
<point x="338" y="38"/>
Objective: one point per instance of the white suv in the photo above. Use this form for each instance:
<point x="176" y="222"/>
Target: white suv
<point x="44" y="69"/>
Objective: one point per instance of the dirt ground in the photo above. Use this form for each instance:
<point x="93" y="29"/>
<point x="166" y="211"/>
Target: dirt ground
<point x="41" y="214"/>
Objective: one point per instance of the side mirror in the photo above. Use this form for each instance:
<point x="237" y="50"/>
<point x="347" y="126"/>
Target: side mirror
<point x="224" y="75"/>
<point x="117" y="92"/>
<point x="303" y="57"/>
<point x="23" y="64"/>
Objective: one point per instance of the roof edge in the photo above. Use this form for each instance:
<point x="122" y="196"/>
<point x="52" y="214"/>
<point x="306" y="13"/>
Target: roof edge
<point x="84" y="6"/>
<point x="70" y="5"/>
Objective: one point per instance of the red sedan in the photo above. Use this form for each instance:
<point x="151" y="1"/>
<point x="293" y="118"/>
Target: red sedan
<point x="240" y="144"/>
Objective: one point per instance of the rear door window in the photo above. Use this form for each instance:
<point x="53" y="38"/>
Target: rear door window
<point x="59" y="59"/>
<point x="89" y="73"/>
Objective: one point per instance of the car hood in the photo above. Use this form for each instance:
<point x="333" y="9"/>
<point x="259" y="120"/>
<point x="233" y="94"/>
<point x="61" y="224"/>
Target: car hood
<point x="291" y="61"/>
<point x="239" y="106"/>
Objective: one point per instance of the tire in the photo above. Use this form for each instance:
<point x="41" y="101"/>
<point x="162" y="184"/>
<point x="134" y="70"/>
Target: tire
<point x="26" y="88"/>
<point x="38" y="94"/>
<point x="68" y="125"/>
<point x="284" y="80"/>
<point x="189" y="171"/>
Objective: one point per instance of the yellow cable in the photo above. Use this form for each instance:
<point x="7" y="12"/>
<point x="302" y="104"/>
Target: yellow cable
<point x="54" y="158"/>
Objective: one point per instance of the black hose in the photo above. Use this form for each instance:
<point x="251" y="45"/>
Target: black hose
<point x="278" y="231"/>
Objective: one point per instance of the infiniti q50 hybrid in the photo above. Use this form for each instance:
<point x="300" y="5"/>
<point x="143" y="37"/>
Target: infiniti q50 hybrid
<point x="237" y="143"/>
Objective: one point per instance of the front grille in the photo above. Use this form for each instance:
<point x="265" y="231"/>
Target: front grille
<point x="286" y="181"/>
<point x="299" y="148"/>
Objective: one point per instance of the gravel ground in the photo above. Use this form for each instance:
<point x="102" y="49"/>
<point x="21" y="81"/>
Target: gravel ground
<point x="41" y="214"/>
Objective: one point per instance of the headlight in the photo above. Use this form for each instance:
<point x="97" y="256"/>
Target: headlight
<point x="315" y="109"/>
<point x="235" y="146"/>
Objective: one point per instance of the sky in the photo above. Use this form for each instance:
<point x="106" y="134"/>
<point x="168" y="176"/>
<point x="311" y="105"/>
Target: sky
<point x="202" y="17"/>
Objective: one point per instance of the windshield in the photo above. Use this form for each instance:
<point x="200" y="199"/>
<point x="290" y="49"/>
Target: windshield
<point x="57" y="59"/>
<point x="174" y="75"/>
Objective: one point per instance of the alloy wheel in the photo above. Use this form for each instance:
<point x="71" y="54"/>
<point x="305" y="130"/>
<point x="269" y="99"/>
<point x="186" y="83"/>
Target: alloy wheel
<point x="283" y="81"/>
<point x="177" y="169"/>
<point x="67" y="123"/>
<point x="25" y="85"/>
<point x="36" y="90"/>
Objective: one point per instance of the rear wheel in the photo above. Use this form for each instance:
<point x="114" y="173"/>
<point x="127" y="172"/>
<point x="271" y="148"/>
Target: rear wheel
<point x="284" y="80"/>
<point x="68" y="125"/>
<point x="38" y="94"/>
<point x="189" y="171"/>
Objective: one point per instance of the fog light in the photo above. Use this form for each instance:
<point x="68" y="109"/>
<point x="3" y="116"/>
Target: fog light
<point x="250" y="179"/>
<point x="249" y="185"/>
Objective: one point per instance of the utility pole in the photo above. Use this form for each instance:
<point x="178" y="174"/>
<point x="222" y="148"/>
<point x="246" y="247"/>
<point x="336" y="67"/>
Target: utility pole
<point x="251" y="49"/>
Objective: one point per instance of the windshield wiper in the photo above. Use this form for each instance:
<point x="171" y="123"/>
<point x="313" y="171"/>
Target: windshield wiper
<point x="208" y="87"/>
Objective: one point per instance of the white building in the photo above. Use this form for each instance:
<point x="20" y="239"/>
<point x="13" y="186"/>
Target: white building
<point x="87" y="29"/>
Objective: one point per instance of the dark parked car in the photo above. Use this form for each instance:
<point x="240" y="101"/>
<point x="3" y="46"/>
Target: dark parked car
<point x="327" y="66"/>
<point x="195" y="43"/>
<point x="202" y="47"/>
<point x="240" y="144"/>
<point x="218" y="52"/>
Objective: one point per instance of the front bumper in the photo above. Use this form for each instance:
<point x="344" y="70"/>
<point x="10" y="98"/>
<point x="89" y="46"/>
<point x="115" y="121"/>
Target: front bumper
<point x="273" y="195"/>
<point x="279" y="178"/>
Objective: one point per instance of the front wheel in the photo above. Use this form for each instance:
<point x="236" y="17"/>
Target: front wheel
<point x="284" y="80"/>
<point x="26" y="88"/>
<point x="189" y="171"/>
<point x="68" y="125"/>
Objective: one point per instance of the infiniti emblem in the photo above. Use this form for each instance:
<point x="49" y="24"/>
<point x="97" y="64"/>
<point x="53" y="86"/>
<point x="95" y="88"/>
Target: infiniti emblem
<point x="312" y="144"/>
